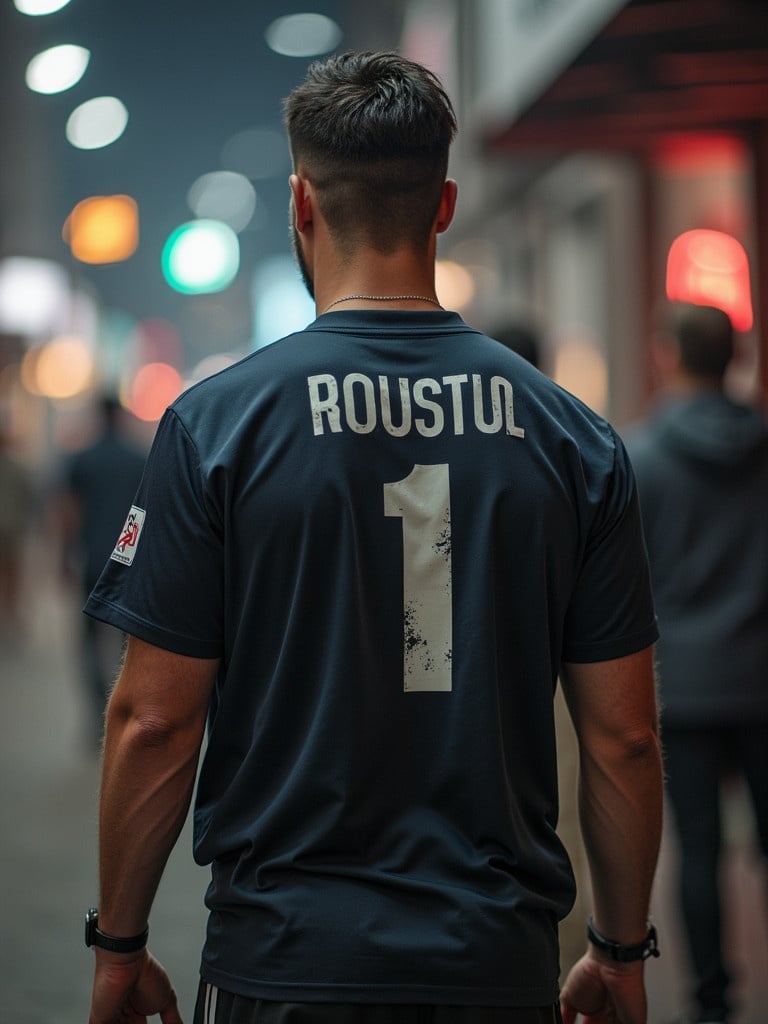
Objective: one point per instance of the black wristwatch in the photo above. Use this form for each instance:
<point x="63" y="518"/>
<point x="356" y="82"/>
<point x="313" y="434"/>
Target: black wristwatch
<point x="624" y="954"/>
<point x="93" y="937"/>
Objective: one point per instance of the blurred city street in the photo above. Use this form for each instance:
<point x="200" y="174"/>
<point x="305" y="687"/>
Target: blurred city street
<point x="48" y="789"/>
<point x="612" y="158"/>
<point x="48" y="794"/>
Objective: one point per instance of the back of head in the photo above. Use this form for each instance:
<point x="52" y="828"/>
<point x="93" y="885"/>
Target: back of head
<point x="704" y="338"/>
<point x="372" y="132"/>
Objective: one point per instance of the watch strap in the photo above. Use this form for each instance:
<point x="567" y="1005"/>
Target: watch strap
<point x="621" y="953"/>
<point x="113" y="943"/>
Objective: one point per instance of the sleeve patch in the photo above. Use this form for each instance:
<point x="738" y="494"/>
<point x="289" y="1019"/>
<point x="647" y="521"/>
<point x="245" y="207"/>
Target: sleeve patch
<point x="128" y="541"/>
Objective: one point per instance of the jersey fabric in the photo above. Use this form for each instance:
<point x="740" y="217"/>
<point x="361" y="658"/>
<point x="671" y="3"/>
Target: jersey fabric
<point x="390" y="529"/>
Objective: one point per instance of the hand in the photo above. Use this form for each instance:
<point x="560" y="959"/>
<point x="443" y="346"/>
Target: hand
<point x="128" y="989"/>
<point x="604" y="992"/>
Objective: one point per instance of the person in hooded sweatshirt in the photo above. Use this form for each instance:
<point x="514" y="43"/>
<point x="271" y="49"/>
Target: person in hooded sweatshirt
<point x="701" y="462"/>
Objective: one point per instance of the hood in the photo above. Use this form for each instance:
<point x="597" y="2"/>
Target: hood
<point x="712" y="428"/>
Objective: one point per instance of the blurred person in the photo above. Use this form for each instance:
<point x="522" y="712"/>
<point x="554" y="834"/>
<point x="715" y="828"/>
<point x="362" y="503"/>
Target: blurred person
<point x="99" y="483"/>
<point x="521" y="338"/>
<point x="362" y="564"/>
<point x="17" y="502"/>
<point x="702" y="469"/>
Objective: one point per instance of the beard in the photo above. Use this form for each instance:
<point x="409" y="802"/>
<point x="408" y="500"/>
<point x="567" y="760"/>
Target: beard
<point x="298" y="255"/>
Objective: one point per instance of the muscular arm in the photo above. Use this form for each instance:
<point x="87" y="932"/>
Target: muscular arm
<point x="155" y="724"/>
<point x="613" y="707"/>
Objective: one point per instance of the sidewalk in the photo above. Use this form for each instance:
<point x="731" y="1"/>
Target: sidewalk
<point x="48" y="799"/>
<point x="48" y="790"/>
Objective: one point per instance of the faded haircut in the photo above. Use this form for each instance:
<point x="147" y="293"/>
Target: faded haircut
<point x="372" y="133"/>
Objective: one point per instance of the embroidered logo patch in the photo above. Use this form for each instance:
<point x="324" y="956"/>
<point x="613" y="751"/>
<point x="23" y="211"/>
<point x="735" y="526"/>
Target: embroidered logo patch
<point x="125" y="549"/>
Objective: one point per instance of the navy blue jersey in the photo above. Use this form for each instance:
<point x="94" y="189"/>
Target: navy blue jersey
<point x="391" y="529"/>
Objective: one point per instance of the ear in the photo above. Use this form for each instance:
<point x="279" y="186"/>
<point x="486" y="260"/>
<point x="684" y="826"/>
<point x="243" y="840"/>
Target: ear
<point x="447" y="206"/>
<point x="301" y="194"/>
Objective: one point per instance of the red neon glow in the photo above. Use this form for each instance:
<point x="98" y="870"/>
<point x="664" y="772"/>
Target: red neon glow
<point x="701" y="153"/>
<point x="710" y="268"/>
<point x="154" y="387"/>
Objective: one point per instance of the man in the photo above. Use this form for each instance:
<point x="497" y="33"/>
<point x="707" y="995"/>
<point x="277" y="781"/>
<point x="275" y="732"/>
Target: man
<point x="363" y="554"/>
<point x="100" y="481"/>
<point x="702" y="468"/>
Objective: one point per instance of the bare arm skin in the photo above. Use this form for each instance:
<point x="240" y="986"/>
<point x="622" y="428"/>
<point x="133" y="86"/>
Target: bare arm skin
<point x="614" y="711"/>
<point x="155" y="725"/>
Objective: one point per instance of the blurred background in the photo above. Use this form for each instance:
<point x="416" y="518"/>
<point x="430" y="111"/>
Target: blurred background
<point x="611" y="155"/>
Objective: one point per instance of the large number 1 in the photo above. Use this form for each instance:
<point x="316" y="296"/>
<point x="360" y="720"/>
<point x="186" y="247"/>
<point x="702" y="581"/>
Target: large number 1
<point x="423" y="501"/>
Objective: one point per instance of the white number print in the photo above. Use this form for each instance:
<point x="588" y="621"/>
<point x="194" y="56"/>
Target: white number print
<point x="423" y="501"/>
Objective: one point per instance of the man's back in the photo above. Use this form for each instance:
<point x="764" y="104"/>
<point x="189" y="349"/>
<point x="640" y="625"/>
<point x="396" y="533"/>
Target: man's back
<point x="405" y="567"/>
<point x="361" y="555"/>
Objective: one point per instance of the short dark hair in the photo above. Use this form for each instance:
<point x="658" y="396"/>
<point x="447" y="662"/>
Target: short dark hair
<point x="704" y="337"/>
<point x="372" y="132"/>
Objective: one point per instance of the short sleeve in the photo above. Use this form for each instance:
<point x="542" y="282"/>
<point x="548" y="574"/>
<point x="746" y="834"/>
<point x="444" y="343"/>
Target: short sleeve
<point x="163" y="582"/>
<point x="611" y="614"/>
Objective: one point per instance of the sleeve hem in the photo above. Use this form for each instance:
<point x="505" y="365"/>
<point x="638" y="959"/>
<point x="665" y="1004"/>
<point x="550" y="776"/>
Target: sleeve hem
<point x="114" y="615"/>
<point x="610" y="649"/>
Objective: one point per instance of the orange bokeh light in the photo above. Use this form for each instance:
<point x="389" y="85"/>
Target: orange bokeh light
<point x="710" y="268"/>
<point x="103" y="229"/>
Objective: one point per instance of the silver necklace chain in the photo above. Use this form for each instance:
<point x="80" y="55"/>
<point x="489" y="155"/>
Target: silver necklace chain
<point x="383" y="298"/>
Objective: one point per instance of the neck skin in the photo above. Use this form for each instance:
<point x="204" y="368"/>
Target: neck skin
<point x="362" y="270"/>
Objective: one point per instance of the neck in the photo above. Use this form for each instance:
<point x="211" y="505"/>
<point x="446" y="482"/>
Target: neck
<point x="685" y="384"/>
<point x="372" y="280"/>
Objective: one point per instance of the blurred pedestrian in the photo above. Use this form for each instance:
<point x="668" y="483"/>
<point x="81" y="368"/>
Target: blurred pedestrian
<point x="702" y="469"/>
<point x="100" y="481"/>
<point x="361" y="556"/>
<point x="520" y="337"/>
<point x="17" y="500"/>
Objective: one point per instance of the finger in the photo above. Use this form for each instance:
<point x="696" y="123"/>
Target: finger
<point x="171" y="1015"/>
<point x="568" y="1013"/>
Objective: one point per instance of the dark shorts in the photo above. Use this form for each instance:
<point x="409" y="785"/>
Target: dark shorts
<point x="214" y="1006"/>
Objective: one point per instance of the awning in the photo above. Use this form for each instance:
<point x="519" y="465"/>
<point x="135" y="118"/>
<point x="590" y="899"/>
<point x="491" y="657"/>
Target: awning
<point x="655" y="67"/>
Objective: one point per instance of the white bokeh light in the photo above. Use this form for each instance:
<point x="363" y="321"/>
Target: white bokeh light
<point x="38" y="7"/>
<point x="257" y="153"/>
<point x="280" y="301"/>
<point x="303" y="35"/>
<point x="224" y="196"/>
<point x="34" y="296"/>
<point x="97" y="123"/>
<point x="57" y="69"/>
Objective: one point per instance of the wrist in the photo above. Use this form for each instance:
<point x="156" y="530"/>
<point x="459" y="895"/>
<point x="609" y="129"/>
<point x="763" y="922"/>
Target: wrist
<point x="106" y="958"/>
<point x="623" y="953"/>
<point x="123" y="945"/>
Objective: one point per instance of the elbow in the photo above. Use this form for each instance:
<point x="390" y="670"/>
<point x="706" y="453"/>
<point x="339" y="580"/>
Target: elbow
<point x="153" y="732"/>
<point x="144" y="728"/>
<point x="641" y="744"/>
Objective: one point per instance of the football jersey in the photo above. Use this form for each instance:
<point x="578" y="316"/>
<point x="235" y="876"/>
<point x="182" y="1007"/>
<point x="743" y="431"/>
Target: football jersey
<point x="391" y="530"/>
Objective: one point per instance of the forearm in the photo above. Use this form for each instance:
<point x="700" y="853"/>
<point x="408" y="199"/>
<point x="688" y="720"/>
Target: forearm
<point x="147" y="783"/>
<point x="621" y="817"/>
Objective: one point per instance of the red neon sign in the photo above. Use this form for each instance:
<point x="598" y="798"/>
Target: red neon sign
<point x="710" y="268"/>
